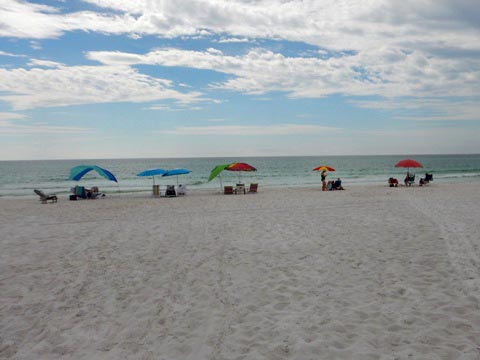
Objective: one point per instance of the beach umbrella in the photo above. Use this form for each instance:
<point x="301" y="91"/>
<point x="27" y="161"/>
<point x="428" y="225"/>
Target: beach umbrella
<point x="409" y="163"/>
<point x="240" y="167"/>
<point x="217" y="170"/>
<point x="176" y="172"/>
<point x="77" y="172"/>
<point x="323" y="167"/>
<point x="152" y="173"/>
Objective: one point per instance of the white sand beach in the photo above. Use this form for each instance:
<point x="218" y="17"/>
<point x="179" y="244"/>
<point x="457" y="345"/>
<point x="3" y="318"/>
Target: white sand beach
<point x="290" y="273"/>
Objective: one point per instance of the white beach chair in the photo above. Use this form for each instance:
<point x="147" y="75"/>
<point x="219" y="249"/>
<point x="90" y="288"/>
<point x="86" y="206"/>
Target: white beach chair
<point x="240" y="188"/>
<point x="182" y="189"/>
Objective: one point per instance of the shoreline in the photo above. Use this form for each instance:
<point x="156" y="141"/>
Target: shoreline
<point x="195" y="190"/>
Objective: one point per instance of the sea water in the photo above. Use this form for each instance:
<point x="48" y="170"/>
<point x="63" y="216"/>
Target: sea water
<point x="19" y="178"/>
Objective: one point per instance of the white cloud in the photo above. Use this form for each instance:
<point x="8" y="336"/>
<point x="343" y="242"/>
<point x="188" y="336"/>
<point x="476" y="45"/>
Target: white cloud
<point x="3" y="53"/>
<point x="427" y="109"/>
<point x="333" y="24"/>
<point x="384" y="72"/>
<point x="35" y="45"/>
<point x="233" y="40"/>
<point x="10" y="116"/>
<point x="63" y="86"/>
<point x="234" y="130"/>
<point x="44" y="63"/>
<point x="388" y="48"/>
<point x="9" y="126"/>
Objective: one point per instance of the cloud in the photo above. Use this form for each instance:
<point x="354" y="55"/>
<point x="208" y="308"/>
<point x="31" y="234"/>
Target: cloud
<point x="333" y="24"/>
<point x="10" y="116"/>
<point x="385" y="48"/>
<point x="233" y="40"/>
<point x="235" y="130"/>
<point x="384" y="72"/>
<point x="9" y="126"/>
<point x="3" y="53"/>
<point x="427" y="109"/>
<point x="35" y="45"/>
<point x="44" y="63"/>
<point x="74" y="85"/>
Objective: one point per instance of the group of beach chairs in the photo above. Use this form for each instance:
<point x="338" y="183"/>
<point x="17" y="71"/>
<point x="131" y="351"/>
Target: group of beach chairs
<point x="81" y="192"/>
<point x="76" y="193"/>
<point x="410" y="180"/>
<point x="240" y="189"/>
<point x="170" y="191"/>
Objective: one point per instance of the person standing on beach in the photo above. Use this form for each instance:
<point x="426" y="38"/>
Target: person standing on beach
<point x="324" y="182"/>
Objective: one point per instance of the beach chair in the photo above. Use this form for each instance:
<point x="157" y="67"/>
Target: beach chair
<point x="240" y="188"/>
<point x="228" y="190"/>
<point x="46" y="197"/>
<point x="182" y="190"/>
<point x="253" y="188"/>
<point x="96" y="195"/>
<point x="170" y="192"/>
<point x="337" y="185"/>
<point x="410" y="180"/>
<point x="80" y="192"/>
<point x="392" y="182"/>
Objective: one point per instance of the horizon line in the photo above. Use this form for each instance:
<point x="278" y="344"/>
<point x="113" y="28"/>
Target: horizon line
<point x="233" y="156"/>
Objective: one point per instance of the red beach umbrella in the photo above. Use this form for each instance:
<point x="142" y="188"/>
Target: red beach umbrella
<point x="409" y="163"/>
<point x="240" y="167"/>
<point x="323" y="167"/>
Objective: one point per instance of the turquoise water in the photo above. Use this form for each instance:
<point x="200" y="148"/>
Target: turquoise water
<point x="19" y="178"/>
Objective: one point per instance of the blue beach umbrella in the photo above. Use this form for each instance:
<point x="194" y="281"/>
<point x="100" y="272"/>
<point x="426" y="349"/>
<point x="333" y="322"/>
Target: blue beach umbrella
<point x="152" y="173"/>
<point x="176" y="172"/>
<point x="77" y="172"/>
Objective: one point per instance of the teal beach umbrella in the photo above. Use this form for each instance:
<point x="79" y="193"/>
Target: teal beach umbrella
<point x="176" y="172"/>
<point x="77" y="172"/>
<point x="152" y="173"/>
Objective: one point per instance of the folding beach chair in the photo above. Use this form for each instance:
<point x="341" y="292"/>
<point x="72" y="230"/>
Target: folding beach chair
<point x="410" y="180"/>
<point x="182" y="189"/>
<point x="240" y="188"/>
<point x="253" y="188"/>
<point x="428" y="178"/>
<point x="170" y="192"/>
<point x="45" y="197"/>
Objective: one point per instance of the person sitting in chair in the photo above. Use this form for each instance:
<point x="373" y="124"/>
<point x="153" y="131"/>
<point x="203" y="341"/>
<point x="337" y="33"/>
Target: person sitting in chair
<point x="337" y="185"/>
<point x="428" y="178"/>
<point x="330" y="185"/>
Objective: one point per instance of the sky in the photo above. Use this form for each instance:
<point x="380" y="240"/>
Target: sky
<point x="199" y="78"/>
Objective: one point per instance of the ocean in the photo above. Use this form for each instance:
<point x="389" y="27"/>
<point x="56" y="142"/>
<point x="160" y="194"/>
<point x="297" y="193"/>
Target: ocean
<point x="19" y="178"/>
